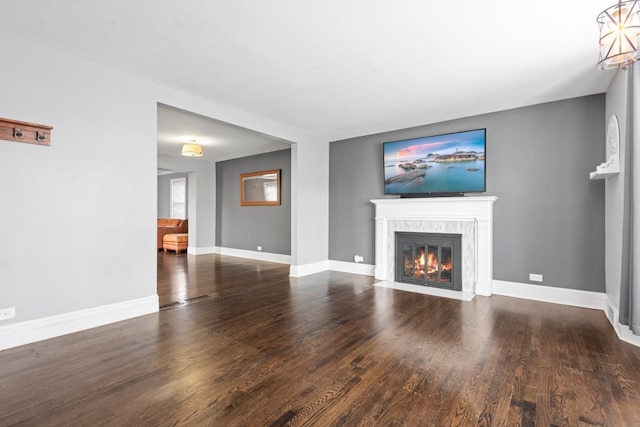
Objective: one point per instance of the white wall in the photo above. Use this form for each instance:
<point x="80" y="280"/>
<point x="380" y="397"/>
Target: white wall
<point x="614" y="186"/>
<point x="79" y="216"/>
<point x="310" y="208"/>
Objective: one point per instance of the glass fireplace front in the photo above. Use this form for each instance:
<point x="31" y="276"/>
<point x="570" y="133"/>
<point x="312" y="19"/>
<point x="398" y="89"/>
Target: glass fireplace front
<point x="429" y="259"/>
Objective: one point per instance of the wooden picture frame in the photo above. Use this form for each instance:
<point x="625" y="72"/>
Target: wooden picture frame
<point x="260" y="188"/>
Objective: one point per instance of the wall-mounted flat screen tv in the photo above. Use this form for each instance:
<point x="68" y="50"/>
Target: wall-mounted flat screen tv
<point x="438" y="165"/>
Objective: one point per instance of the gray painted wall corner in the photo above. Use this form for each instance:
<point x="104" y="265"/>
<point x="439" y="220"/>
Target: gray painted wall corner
<point x="549" y="218"/>
<point x="247" y="227"/>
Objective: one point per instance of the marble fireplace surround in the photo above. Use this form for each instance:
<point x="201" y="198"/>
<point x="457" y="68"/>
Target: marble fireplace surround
<point x="472" y="217"/>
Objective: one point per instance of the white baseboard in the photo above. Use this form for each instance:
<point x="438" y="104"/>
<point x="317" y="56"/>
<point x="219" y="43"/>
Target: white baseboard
<point x="426" y="290"/>
<point x="352" y="267"/>
<point x="261" y="256"/>
<point x="16" y="334"/>
<point x="308" y="269"/>
<point x="611" y="312"/>
<point x="622" y="331"/>
<point x="192" y="250"/>
<point x="574" y="297"/>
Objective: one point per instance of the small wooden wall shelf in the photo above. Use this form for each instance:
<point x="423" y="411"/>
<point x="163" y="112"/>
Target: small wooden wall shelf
<point x="31" y="133"/>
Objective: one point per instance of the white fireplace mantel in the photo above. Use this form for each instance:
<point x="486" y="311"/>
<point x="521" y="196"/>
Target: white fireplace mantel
<point x="470" y="216"/>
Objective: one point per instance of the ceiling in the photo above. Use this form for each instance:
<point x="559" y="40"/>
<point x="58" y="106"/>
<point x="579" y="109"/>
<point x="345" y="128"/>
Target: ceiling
<point x="220" y="141"/>
<point x="332" y="69"/>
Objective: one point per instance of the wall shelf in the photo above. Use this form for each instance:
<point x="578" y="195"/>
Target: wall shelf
<point x="601" y="174"/>
<point x="606" y="169"/>
<point x="612" y="165"/>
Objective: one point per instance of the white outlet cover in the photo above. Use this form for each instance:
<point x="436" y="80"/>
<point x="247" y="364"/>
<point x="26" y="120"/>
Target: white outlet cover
<point x="7" y="313"/>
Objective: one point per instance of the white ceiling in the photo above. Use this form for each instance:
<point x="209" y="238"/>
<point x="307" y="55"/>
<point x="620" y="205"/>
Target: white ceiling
<point x="219" y="140"/>
<point x="333" y="69"/>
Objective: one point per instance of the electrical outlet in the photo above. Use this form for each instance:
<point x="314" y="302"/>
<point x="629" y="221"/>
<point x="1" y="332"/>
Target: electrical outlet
<point x="535" y="277"/>
<point x="358" y="258"/>
<point x="259" y="248"/>
<point x="7" y="313"/>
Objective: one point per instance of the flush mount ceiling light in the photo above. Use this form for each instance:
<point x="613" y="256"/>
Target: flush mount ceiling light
<point x="619" y="35"/>
<point x="192" y="150"/>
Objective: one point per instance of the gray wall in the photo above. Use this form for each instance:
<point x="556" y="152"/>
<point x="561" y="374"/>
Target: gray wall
<point x="247" y="227"/>
<point x="164" y="193"/>
<point x="549" y="218"/>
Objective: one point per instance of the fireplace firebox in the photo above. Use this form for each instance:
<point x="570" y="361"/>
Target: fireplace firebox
<point x="429" y="259"/>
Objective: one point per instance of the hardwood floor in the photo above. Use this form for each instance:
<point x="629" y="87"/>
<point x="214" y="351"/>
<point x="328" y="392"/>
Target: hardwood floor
<point x="253" y="347"/>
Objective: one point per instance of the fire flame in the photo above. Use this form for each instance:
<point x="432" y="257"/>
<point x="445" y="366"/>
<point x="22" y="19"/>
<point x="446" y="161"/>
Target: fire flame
<point x="432" y="264"/>
<point x="428" y="267"/>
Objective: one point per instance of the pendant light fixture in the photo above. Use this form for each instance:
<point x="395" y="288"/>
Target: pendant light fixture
<point x="619" y="35"/>
<point x="192" y="150"/>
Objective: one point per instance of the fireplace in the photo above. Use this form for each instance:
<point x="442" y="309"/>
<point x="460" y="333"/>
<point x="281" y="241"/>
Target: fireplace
<point x="470" y="217"/>
<point x="429" y="259"/>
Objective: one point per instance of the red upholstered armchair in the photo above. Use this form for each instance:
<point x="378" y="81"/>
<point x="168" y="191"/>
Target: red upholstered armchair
<point x="171" y="226"/>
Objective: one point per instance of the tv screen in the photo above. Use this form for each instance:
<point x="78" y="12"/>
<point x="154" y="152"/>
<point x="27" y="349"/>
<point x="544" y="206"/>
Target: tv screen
<point x="449" y="164"/>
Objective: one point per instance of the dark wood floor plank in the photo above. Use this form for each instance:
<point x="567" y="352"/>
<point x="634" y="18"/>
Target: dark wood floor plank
<point x="241" y="343"/>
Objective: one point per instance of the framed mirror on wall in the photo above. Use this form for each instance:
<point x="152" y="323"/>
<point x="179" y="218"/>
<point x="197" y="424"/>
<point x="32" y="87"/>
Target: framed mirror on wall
<point x="260" y="188"/>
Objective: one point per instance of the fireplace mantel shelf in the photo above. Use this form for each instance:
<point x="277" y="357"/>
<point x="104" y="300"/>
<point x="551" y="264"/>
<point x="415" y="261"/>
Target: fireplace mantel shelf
<point x="432" y="206"/>
<point x="473" y="214"/>
<point x="436" y="199"/>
